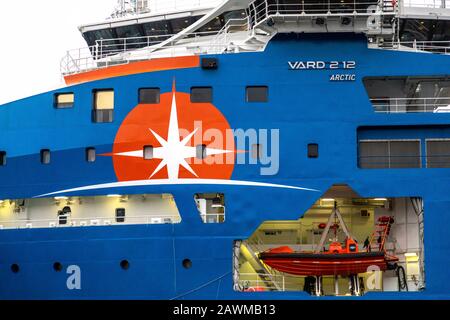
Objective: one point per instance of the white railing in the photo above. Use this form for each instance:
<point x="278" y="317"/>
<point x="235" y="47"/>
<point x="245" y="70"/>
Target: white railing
<point x="222" y="38"/>
<point x="440" y="47"/>
<point x="164" y="6"/>
<point x="411" y="105"/>
<point x="261" y="10"/>
<point x="251" y="282"/>
<point x="432" y="4"/>
<point x="213" y="218"/>
<point x="88" y="222"/>
<point x="112" y="52"/>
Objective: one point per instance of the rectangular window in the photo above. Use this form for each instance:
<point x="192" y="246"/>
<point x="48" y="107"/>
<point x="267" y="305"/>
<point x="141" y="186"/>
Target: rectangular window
<point x="45" y="156"/>
<point x="438" y="154"/>
<point x="257" y="94"/>
<point x="2" y="158"/>
<point x="148" y="152"/>
<point x="64" y="100"/>
<point x="201" y="94"/>
<point x="120" y="215"/>
<point x="149" y="95"/>
<point x="103" y="106"/>
<point x="91" y="154"/>
<point x="313" y="150"/>
<point x="405" y="154"/>
<point x="389" y="154"/>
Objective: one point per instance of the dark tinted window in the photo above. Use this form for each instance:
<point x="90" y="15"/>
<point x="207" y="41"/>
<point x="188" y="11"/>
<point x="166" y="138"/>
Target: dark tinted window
<point x="374" y="154"/>
<point x="389" y="154"/>
<point x="182" y="23"/>
<point x="313" y="150"/>
<point x="257" y="94"/>
<point x="201" y="94"/>
<point x="405" y="154"/>
<point x="120" y="215"/>
<point x="2" y="158"/>
<point x="45" y="156"/>
<point x="158" y="31"/>
<point x="438" y="154"/>
<point x="149" y="95"/>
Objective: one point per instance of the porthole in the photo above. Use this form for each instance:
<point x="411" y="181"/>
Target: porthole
<point x="125" y="264"/>
<point x="57" y="266"/>
<point x="187" y="264"/>
<point x="15" y="268"/>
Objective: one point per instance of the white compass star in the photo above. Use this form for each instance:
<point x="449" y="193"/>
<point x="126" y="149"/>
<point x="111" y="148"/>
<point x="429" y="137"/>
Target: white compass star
<point x="174" y="151"/>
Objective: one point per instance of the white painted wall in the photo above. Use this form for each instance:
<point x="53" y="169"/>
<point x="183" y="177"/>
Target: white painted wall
<point x="140" y="209"/>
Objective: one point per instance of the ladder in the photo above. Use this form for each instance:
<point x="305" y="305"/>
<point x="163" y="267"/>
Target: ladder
<point x="380" y="234"/>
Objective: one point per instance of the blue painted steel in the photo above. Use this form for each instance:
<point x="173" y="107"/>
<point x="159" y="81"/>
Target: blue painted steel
<point x="304" y="105"/>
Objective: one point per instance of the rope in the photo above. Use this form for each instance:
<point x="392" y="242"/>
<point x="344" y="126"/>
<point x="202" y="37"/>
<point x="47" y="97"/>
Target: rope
<point x="201" y="287"/>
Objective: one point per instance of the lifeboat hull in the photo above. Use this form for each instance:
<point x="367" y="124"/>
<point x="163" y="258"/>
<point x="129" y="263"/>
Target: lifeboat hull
<point x="310" y="264"/>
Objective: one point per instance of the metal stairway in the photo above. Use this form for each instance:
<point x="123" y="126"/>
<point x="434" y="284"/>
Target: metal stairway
<point x="380" y="234"/>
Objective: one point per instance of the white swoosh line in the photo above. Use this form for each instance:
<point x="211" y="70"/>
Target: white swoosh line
<point x="140" y="183"/>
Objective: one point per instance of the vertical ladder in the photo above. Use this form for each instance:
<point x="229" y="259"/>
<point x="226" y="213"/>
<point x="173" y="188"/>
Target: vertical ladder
<point x="380" y="234"/>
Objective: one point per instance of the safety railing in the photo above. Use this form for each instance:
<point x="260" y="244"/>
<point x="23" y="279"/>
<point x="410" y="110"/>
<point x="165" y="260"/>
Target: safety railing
<point x="411" y="105"/>
<point x="436" y="4"/>
<point x="439" y="47"/>
<point x="222" y="38"/>
<point x="65" y="222"/>
<point x="213" y="218"/>
<point x="257" y="282"/>
<point x="111" y="52"/>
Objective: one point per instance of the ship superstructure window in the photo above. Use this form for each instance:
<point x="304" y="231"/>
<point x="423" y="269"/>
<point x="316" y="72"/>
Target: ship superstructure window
<point x="313" y="150"/>
<point x="201" y="94"/>
<point x="2" y="158"/>
<point x="45" y="156"/>
<point x="438" y="153"/>
<point x="211" y="207"/>
<point x="64" y="100"/>
<point x="103" y="106"/>
<point x="148" y="152"/>
<point x="91" y="155"/>
<point x="120" y="215"/>
<point x="257" y="94"/>
<point x="149" y="95"/>
<point x="393" y="154"/>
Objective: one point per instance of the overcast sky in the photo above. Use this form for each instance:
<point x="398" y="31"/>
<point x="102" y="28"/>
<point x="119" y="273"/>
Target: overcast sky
<point x="35" y="35"/>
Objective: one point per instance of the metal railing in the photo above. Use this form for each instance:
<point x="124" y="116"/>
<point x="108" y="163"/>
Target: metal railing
<point x="439" y="47"/>
<point x="252" y="282"/>
<point x="411" y="105"/>
<point x="88" y="222"/>
<point x="112" y="52"/>
<point x="260" y="10"/>
<point x="427" y="3"/>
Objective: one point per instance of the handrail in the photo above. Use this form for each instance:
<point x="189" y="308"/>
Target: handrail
<point x="92" y="221"/>
<point x="439" y="47"/>
<point x="411" y="105"/>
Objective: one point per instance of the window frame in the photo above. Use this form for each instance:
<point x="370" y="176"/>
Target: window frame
<point x="3" y="158"/>
<point x="158" y="100"/>
<point x="389" y="152"/>
<point x="57" y="106"/>
<point x="87" y="150"/>
<point x="42" y="154"/>
<point x="426" y="150"/>
<point x="202" y="87"/>
<point x="96" y="111"/>
<point x="247" y="96"/>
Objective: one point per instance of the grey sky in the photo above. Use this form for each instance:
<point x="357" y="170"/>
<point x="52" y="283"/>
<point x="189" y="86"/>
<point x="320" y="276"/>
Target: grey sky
<point x="36" y="35"/>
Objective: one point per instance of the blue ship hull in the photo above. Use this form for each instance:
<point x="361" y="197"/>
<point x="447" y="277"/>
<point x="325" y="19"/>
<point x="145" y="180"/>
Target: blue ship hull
<point x="305" y="105"/>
